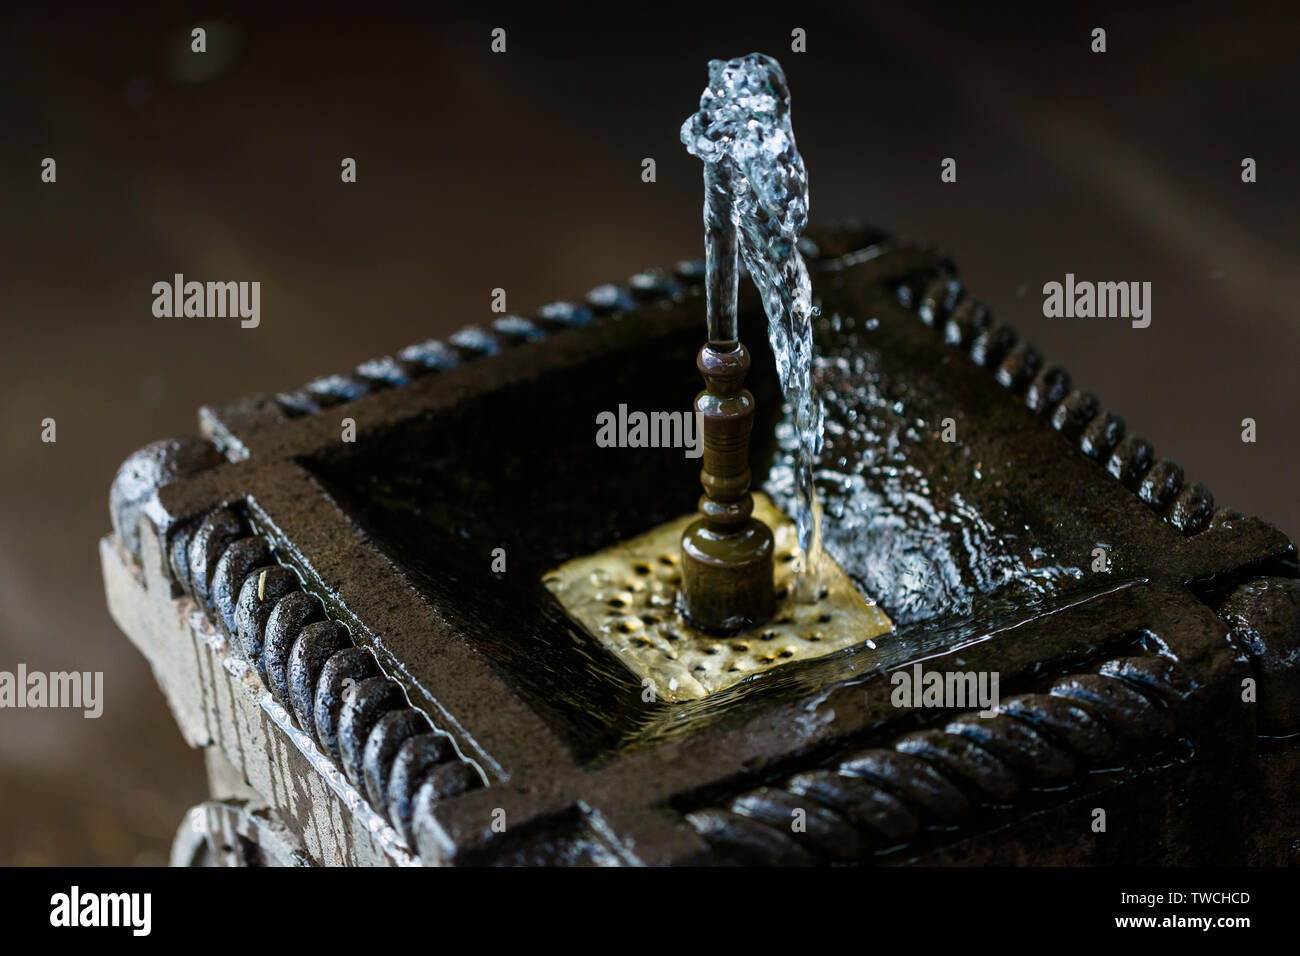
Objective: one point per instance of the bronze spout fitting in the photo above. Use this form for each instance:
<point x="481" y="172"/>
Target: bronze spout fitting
<point x="726" y="552"/>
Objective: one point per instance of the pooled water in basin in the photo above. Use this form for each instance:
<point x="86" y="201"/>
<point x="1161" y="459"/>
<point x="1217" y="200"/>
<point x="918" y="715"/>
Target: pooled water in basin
<point x="923" y="546"/>
<point x="957" y="542"/>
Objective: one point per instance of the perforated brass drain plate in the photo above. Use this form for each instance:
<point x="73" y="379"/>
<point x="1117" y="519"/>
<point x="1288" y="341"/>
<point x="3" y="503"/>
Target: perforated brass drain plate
<point x="626" y="596"/>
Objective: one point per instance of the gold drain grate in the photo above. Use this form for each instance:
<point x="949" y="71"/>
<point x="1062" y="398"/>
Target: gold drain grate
<point x="626" y="596"/>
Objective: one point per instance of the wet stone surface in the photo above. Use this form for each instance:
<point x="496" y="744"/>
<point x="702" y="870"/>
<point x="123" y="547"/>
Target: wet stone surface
<point x="967" y="484"/>
<point x="940" y="439"/>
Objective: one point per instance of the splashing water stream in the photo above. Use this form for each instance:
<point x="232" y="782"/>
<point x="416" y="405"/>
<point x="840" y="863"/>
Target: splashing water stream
<point x="756" y="197"/>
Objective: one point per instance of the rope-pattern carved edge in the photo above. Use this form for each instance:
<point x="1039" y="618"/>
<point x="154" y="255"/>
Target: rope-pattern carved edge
<point x="651" y="287"/>
<point x="965" y="322"/>
<point x="883" y="798"/>
<point x="389" y="749"/>
<point x="334" y="690"/>
<point x="939" y="300"/>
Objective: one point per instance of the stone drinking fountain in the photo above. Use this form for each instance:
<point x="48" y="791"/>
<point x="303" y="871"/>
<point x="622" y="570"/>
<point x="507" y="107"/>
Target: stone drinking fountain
<point x="419" y="647"/>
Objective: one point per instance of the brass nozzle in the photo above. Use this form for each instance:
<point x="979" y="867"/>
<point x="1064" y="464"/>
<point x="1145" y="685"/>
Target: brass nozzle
<point x="726" y="552"/>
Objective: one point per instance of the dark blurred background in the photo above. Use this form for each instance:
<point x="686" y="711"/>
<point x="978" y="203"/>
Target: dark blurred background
<point x="522" y="171"/>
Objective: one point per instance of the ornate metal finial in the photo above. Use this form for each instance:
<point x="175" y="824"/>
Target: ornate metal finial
<point x="726" y="552"/>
